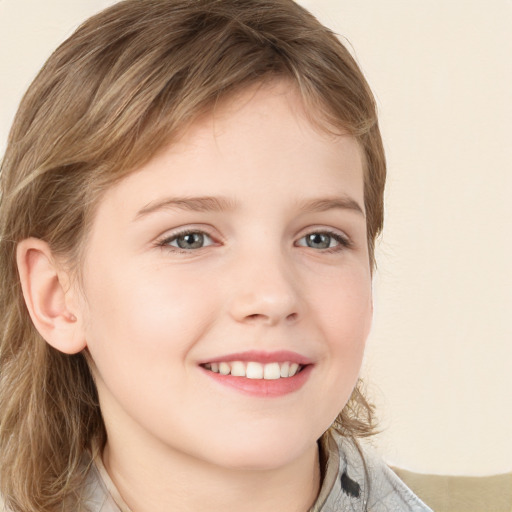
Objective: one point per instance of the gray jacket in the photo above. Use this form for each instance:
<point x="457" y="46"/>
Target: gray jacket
<point x="352" y="481"/>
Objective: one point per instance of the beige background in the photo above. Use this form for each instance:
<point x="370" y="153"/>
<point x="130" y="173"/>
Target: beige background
<point x="440" y="355"/>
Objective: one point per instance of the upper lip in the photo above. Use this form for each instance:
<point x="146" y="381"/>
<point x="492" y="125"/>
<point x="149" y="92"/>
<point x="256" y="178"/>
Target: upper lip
<point x="258" y="356"/>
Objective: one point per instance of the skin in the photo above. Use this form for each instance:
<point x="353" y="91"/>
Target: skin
<point x="149" y="313"/>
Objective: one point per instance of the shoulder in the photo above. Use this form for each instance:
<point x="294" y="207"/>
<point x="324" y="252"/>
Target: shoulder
<point x="362" y="483"/>
<point x="95" y="495"/>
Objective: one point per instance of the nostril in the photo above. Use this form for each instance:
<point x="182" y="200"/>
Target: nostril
<point x="271" y="319"/>
<point x="265" y="308"/>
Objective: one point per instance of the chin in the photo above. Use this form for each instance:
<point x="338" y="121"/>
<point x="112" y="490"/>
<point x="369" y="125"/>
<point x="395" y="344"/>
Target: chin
<point x="264" y="453"/>
<point x="258" y="461"/>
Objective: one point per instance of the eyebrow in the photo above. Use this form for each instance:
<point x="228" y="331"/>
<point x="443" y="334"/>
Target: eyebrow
<point x="331" y="203"/>
<point x="193" y="204"/>
<point x="223" y="204"/>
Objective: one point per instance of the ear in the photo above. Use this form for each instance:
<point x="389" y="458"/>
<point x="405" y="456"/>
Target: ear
<point x="50" y="301"/>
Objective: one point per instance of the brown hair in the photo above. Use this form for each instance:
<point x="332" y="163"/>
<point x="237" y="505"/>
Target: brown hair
<point x="117" y="91"/>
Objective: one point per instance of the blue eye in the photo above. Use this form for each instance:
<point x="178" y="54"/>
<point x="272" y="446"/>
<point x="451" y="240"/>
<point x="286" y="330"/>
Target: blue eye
<point x="188" y="240"/>
<point x="323" y="240"/>
<point x="193" y="240"/>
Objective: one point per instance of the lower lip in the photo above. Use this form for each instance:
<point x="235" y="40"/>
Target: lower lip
<point x="261" y="387"/>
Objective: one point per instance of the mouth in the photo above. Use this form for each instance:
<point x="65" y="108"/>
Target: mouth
<point x="260" y="374"/>
<point x="255" y="370"/>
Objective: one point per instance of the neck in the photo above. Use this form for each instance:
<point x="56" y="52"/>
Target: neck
<point x="157" y="480"/>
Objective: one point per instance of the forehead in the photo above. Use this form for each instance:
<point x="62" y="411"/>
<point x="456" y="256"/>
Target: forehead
<point x="263" y="139"/>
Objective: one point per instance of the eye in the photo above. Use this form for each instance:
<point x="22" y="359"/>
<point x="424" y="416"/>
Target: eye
<point x="324" y="240"/>
<point x="187" y="240"/>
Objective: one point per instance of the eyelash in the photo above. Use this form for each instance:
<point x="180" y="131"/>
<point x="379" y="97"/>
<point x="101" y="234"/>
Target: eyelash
<point x="343" y="241"/>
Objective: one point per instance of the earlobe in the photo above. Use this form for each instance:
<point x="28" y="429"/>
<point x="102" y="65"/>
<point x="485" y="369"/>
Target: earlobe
<point x="45" y="289"/>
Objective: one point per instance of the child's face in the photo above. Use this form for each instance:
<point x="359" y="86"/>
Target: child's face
<point x="251" y="278"/>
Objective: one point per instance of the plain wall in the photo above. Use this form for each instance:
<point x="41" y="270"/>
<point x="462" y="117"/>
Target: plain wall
<point x="439" y="357"/>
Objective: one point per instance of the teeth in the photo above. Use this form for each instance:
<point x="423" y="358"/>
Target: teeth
<point x="254" y="370"/>
<point x="238" y="369"/>
<point x="224" y="369"/>
<point x="294" y="367"/>
<point x="271" y="371"/>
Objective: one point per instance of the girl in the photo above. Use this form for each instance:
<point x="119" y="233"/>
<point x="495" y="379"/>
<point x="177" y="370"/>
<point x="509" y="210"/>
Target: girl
<point x="190" y="199"/>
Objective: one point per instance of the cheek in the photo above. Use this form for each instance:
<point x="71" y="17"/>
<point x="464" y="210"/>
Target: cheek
<point x="344" y="302"/>
<point x="141" y="318"/>
<point x="344" y="309"/>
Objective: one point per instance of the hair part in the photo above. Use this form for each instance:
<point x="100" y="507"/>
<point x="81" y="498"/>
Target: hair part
<point x="122" y="87"/>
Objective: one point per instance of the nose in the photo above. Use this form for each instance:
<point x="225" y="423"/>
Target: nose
<point x="265" y="292"/>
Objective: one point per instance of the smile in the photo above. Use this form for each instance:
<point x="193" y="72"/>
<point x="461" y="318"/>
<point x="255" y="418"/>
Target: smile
<point x="255" y="370"/>
<point x="258" y="373"/>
